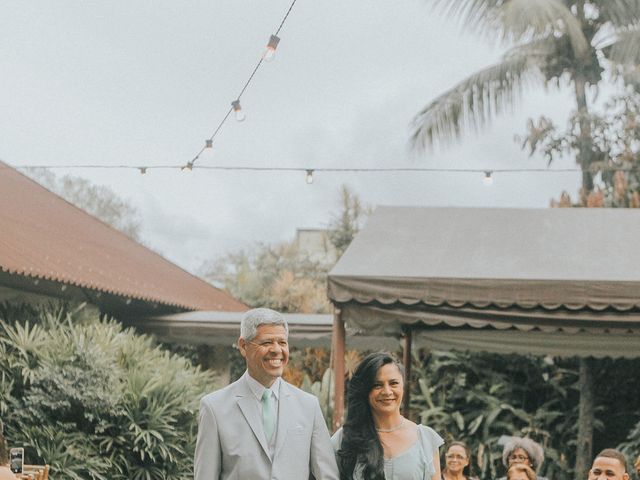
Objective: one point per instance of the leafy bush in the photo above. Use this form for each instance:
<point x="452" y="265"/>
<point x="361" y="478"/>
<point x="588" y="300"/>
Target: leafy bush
<point x="478" y="397"/>
<point x="93" y="400"/>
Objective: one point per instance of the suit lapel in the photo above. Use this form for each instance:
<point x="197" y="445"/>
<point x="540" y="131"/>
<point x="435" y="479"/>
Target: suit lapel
<point x="249" y="408"/>
<point x="285" y="404"/>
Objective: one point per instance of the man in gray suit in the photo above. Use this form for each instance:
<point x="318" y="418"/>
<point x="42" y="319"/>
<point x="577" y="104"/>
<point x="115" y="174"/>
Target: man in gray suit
<point x="261" y="427"/>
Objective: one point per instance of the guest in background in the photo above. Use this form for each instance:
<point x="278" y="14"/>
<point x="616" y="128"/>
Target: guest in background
<point x="520" y="471"/>
<point x="609" y="464"/>
<point x="637" y="466"/>
<point x="525" y="451"/>
<point x="376" y="441"/>
<point x="457" y="460"/>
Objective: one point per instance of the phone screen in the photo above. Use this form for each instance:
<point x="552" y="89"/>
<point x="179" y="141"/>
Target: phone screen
<point x="17" y="456"/>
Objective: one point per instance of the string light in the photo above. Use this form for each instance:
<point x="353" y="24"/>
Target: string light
<point x="488" y="179"/>
<point x="208" y="143"/>
<point x="270" y="51"/>
<point x="267" y="56"/>
<point x="309" y="177"/>
<point x="143" y="170"/>
<point x="188" y="166"/>
<point x="237" y="109"/>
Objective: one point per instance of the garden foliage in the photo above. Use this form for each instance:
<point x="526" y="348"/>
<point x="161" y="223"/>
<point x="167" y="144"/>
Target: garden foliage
<point x="479" y="397"/>
<point x="93" y="400"/>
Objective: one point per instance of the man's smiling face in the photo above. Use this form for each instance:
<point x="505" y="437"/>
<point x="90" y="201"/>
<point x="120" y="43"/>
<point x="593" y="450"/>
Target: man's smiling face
<point x="266" y="354"/>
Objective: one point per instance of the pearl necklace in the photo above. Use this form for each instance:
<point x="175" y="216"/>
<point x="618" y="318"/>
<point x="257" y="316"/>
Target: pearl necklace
<point x="392" y="429"/>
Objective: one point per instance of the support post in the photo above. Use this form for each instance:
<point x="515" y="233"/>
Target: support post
<point x="584" y="447"/>
<point x="406" y="360"/>
<point x="337" y="344"/>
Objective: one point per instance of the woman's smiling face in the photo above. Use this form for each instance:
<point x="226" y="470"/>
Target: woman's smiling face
<point x="385" y="396"/>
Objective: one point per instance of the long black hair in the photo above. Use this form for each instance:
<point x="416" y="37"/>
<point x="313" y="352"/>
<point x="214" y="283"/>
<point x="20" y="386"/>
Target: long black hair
<point x="360" y="442"/>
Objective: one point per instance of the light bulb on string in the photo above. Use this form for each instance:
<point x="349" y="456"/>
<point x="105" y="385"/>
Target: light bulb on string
<point x="208" y="143"/>
<point x="237" y="109"/>
<point x="270" y="51"/>
<point x="188" y="166"/>
<point x="309" y="177"/>
<point x="143" y="170"/>
<point x="487" y="180"/>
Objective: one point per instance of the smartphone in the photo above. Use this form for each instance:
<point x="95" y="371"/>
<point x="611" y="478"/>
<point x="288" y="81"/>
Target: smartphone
<point x="16" y="456"/>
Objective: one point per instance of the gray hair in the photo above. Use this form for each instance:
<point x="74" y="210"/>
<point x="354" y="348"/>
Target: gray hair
<point x="252" y="319"/>
<point x="533" y="449"/>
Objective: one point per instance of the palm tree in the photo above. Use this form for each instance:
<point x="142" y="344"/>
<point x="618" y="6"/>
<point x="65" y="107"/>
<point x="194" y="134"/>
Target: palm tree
<point x="562" y="42"/>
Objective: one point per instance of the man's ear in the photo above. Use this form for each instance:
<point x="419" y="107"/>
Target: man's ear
<point x="242" y="346"/>
<point x="625" y="476"/>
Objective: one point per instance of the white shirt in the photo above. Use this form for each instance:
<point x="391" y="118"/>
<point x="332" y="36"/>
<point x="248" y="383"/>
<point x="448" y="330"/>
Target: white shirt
<point x="258" y="390"/>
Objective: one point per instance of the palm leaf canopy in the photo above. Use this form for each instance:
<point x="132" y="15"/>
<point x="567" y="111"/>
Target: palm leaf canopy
<point x="618" y="13"/>
<point x="516" y="21"/>
<point x="474" y="101"/>
<point x="626" y="47"/>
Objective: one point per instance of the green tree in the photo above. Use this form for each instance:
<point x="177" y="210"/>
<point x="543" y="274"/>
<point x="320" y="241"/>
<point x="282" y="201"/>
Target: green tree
<point x="282" y="276"/>
<point x="93" y="400"/>
<point x="99" y="201"/>
<point x="274" y="276"/>
<point x="615" y="149"/>
<point x="345" y="225"/>
<point x="561" y="42"/>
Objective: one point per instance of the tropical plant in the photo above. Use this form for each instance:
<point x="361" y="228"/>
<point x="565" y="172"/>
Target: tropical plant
<point x="561" y="42"/>
<point x="615" y="149"/>
<point x="480" y="397"/>
<point x="96" y="401"/>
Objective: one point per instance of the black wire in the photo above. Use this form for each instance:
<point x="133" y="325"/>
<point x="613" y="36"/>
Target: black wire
<point x="285" y="17"/>
<point x="325" y="169"/>
<point x="255" y="70"/>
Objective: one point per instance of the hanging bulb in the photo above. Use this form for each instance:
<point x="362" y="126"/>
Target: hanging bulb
<point x="188" y="166"/>
<point x="208" y="143"/>
<point x="143" y="170"/>
<point x="488" y="179"/>
<point x="309" y="178"/>
<point x="240" y="116"/>
<point x="270" y="51"/>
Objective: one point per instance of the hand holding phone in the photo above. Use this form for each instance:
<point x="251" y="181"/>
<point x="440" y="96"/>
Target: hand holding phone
<point x="16" y="458"/>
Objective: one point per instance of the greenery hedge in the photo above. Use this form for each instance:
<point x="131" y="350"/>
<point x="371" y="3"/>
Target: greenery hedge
<point x="93" y="400"/>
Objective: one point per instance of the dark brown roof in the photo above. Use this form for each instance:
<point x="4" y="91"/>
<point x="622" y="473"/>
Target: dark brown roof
<point x="42" y="236"/>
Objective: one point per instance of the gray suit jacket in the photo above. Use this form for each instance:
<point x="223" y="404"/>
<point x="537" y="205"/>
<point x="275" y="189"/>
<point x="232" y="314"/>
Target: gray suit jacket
<point x="232" y="445"/>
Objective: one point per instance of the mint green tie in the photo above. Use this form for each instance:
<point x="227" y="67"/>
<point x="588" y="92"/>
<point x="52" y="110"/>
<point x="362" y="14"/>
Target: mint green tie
<point x="268" y="414"/>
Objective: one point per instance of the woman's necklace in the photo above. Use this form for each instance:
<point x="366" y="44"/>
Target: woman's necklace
<point x="392" y="429"/>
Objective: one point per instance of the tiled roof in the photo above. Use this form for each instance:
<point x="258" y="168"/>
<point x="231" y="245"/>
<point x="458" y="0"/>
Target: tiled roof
<point x="44" y="237"/>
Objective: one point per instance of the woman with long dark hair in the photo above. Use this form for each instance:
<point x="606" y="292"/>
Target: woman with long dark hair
<point x="376" y="441"/>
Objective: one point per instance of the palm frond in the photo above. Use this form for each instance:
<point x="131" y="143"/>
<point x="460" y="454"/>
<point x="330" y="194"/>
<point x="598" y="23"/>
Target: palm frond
<point x="619" y="12"/>
<point x="517" y="20"/>
<point x="626" y="48"/>
<point x="474" y="102"/>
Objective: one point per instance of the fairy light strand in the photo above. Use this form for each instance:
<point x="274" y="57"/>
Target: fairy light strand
<point x="191" y="164"/>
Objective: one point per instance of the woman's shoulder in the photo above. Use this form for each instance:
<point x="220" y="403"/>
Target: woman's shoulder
<point x="430" y="436"/>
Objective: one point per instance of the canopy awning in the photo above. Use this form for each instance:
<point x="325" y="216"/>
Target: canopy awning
<point x="223" y="328"/>
<point x="495" y="274"/>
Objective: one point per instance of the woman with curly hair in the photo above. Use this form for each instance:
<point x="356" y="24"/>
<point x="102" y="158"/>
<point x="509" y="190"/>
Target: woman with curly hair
<point x="376" y="441"/>
<point x="523" y="450"/>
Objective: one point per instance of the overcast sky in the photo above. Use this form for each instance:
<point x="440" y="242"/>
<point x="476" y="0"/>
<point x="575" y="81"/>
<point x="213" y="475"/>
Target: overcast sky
<point x="145" y="82"/>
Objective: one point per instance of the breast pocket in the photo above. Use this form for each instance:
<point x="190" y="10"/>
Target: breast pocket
<point x="297" y="429"/>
